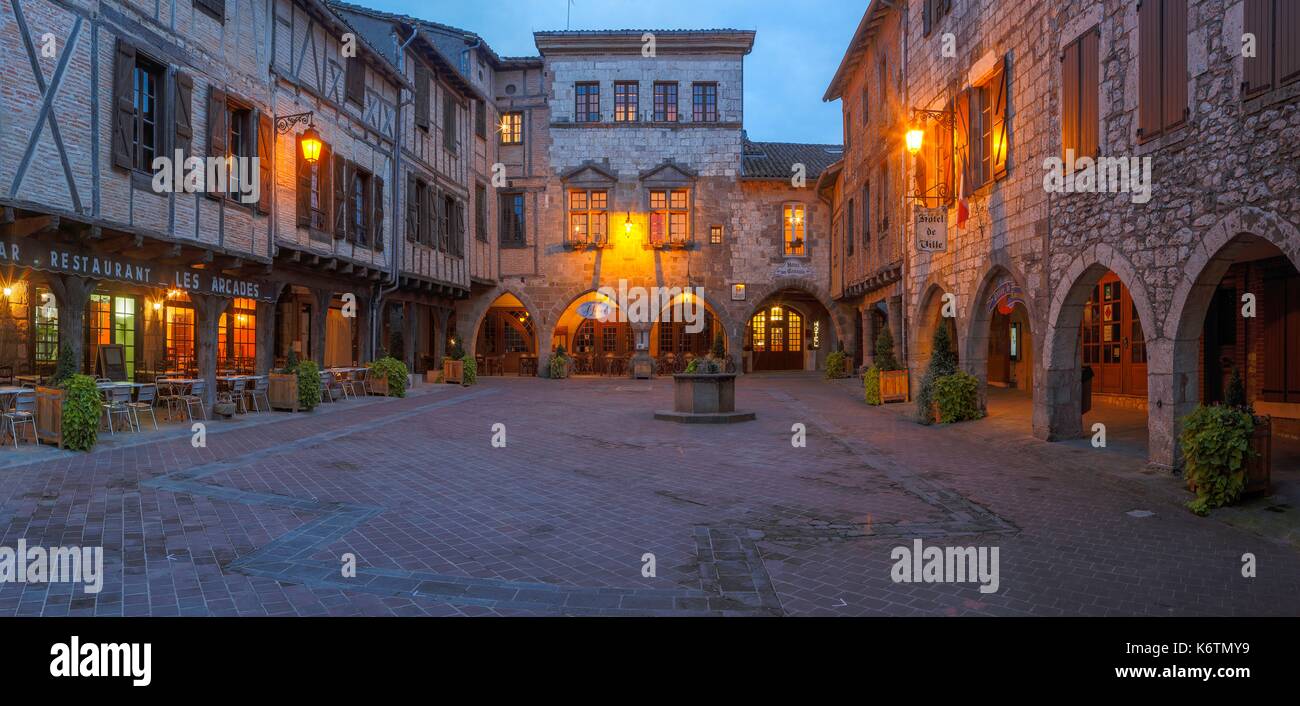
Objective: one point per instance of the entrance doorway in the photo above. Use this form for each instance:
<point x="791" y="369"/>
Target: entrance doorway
<point x="776" y="335"/>
<point x="1114" y="345"/>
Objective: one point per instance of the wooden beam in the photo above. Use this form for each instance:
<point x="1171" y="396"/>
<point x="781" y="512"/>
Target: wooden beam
<point x="36" y="225"/>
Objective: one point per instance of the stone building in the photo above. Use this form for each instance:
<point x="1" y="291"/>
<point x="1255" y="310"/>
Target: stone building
<point x="633" y="170"/>
<point x="1117" y="178"/>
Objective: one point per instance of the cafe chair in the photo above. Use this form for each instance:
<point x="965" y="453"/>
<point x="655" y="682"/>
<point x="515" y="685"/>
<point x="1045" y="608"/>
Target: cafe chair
<point x="144" y="401"/>
<point x="327" y="384"/>
<point x="356" y="384"/>
<point x="258" y="390"/>
<point x="6" y="374"/>
<point x="116" y="404"/>
<point x="24" y="413"/>
<point x="195" y="397"/>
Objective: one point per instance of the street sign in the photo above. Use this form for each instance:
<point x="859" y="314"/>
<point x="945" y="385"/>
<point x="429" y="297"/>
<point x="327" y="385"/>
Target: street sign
<point x="932" y="229"/>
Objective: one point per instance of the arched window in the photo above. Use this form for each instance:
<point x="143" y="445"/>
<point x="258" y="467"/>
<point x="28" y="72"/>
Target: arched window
<point x="794" y="222"/>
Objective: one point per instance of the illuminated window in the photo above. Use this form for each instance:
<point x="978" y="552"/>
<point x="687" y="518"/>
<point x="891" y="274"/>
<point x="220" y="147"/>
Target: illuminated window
<point x="512" y="129"/>
<point x="625" y="102"/>
<point x="715" y="234"/>
<point x="794" y="222"/>
<point x="588" y="217"/>
<point x="124" y="331"/>
<point x="47" y="326"/>
<point x="609" y="338"/>
<point x="237" y="336"/>
<point x="1015" y="340"/>
<point x="666" y="102"/>
<point x="794" y="332"/>
<point x="759" y="331"/>
<point x="99" y="322"/>
<point x="669" y="216"/>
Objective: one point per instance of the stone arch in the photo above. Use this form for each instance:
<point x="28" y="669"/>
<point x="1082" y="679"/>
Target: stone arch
<point x="1218" y="249"/>
<point x="923" y="325"/>
<point x="476" y="312"/>
<point x="723" y="317"/>
<point x="1057" y="410"/>
<point x="841" y="326"/>
<point x="977" y="321"/>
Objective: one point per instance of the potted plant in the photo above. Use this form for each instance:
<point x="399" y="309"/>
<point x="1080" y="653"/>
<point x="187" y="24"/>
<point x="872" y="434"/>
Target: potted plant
<point x="453" y="366"/>
<point x="560" y="364"/>
<point x="836" y="365"/>
<point x="282" y="386"/>
<point x="388" y="376"/>
<point x="81" y="412"/>
<point x="871" y="386"/>
<point x="894" y="384"/>
<point x="50" y="400"/>
<point x="957" y="397"/>
<point x="942" y="364"/>
<point x="469" y="371"/>
<point x="1215" y="441"/>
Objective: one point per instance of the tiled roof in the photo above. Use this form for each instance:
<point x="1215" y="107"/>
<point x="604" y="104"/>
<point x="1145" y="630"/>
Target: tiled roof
<point x="775" y="160"/>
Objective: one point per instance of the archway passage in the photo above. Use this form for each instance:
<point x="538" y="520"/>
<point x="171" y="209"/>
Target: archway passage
<point x="590" y="330"/>
<point x="1009" y="365"/>
<point x="507" y="338"/>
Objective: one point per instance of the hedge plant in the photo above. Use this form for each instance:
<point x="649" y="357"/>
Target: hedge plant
<point x="704" y="366"/>
<point x="871" y="385"/>
<point x="308" y="385"/>
<point x="885" y="359"/>
<point x="958" y="397"/>
<point x="1216" y="442"/>
<point x="469" y="370"/>
<point x="835" y="365"/>
<point x="394" y="373"/>
<point x="81" y="411"/>
<point x="558" y="367"/>
<point x="943" y="362"/>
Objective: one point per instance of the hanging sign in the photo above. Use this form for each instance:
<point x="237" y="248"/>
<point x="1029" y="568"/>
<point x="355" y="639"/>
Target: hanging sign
<point x="594" y="310"/>
<point x="932" y="229"/>
<point x="1004" y="298"/>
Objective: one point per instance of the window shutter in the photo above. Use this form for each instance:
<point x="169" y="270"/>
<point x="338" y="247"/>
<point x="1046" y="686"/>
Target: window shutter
<point x="1273" y="318"/>
<point x="412" y="209"/>
<point x="428" y="219"/>
<point x="961" y="142"/>
<point x="1070" y="104"/>
<point x="1174" y="62"/>
<point x="325" y="173"/>
<point x="1257" y="71"/>
<point x="1149" y="74"/>
<point x="218" y="129"/>
<point x="421" y="98"/>
<point x="302" y="193"/>
<point x="124" y="106"/>
<point x="377" y="208"/>
<point x="265" y="146"/>
<point x="1089" y="112"/>
<point x="183" y="122"/>
<point x="440" y="222"/>
<point x="1288" y="44"/>
<point x="354" y="79"/>
<point x="927" y="20"/>
<point x="340" y="197"/>
<point x="1000" y="87"/>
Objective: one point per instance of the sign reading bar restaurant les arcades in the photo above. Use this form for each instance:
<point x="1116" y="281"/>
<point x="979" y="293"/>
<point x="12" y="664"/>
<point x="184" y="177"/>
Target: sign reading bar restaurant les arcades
<point x="72" y="260"/>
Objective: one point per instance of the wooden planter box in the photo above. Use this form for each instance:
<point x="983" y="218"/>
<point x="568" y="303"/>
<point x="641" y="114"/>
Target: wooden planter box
<point x="431" y="375"/>
<point x="894" y="386"/>
<point x="452" y="370"/>
<point x="1259" y="464"/>
<point x="378" y="384"/>
<point x="283" y="391"/>
<point x="49" y="415"/>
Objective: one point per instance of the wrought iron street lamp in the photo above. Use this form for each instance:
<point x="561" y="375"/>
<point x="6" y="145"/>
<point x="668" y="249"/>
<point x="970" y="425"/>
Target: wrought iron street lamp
<point x="311" y="142"/>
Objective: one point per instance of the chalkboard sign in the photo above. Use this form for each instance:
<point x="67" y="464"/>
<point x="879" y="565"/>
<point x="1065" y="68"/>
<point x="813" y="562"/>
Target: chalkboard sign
<point x="112" y="362"/>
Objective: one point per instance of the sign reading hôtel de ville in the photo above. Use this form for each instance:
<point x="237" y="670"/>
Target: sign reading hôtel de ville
<point x="72" y="260"/>
<point x="932" y="229"/>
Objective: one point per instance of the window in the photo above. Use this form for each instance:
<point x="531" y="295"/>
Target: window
<point x="421" y="98"/>
<point x="180" y="335"/>
<point x="1162" y="66"/>
<point x="238" y="146"/>
<point x="625" y="102"/>
<point x="794" y="222"/>
<point x="512" y="129"/>
<point x="453" y="226"/>
<point x="931" y="12"/>
<point x="1079" y="119"/>
<point x="512" y="220"/>
<point x="715" y="234"/>
<point x="1275" y="25"/>
<point x="359" y="207"/>
<point x="758" y="332"/>
<point x="213" y="8"/>
<point x="480" y="212"/>
<point x="669" y="216"/>
<point x="848" y="228"/>
<point x="588" y="218"/>
<point x="480" y="119"/>
<point x="866" y="105"/>
<point x="666" y="102"/>
<point x="146" y="142"/>
<point x="314" y="190"/>
<point x="981" y="132"/>
<point x="848" y="129"/>
<point x="449" y="137"/>
<point x="47" y="327"/>
<point x="866" y="216"/>
<point x="237" y="336"/>
<point x="609" y="338"/>
<point x="586" y="103"/>
<point x="354" y="80"/>
<point x="704" y="102"/>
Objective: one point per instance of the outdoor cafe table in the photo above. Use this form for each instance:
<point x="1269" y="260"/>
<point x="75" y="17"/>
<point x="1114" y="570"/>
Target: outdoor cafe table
<point x="9" y="393"/>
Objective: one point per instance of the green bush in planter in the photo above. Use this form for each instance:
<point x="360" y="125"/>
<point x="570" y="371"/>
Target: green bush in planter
<point x="308" y="385"/>
<point x="81" y="410"/>
<point x="871" y="385"/>
<point x="885" y="359"/>
<point x="469" y="370"/>
<point x="394" y="372"/>
<point x="704" y="366"/>
<point x="835" y="365"/>
<point x="559" y="364"/>
<point x="1215" y="442"/>
<point x="958" y="397"/>
<point x="943" y="362"/>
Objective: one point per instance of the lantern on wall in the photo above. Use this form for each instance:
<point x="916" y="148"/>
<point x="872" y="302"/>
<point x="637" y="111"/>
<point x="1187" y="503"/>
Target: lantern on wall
<point x="311" y="144"/>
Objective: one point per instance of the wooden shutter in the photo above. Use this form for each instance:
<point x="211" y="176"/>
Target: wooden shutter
<point x="1000" y="87"/>
<point x="340" y="197"/>
<point x="961" y="141"/>
<point x="1070" y="80"/>
<point x="377" y="209"/>
<point x="1287" y="49"/>
<point x="218" y="130"/>
<point x="302" y="181"/>
<point x="927" y="20"/>
<point x="216" y="8"/>
<point x="1273" y="315"/>
<point x="354" y="79"/>
<point x="428" y="219"/>
<point x="1257" y="71"/>
<point x="265" y="147"/>
<point x="1174" y="63"/>
<point x="412" y="209"/>
<point x="1089" y="86"/>
<point x="1149" y="72"/>
<point x="183" y="115"/>
<point x="325" y="185"/>
<point x="124" y="106"/>
<point x="440" y="222"/>
<point x="421" y="98"/>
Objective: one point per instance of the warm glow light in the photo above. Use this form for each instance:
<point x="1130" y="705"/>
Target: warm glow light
<point x="627" y="225"/>
<point x="8" y="291"/>
<point x="914" y="140"/>
<point x="505" y="123"/>
<point x="157" y="305"/>
<point x="311" y="145"/>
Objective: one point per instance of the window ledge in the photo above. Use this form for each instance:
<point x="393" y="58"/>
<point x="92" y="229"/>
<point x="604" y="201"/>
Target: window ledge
<point x="1270" y="97"/>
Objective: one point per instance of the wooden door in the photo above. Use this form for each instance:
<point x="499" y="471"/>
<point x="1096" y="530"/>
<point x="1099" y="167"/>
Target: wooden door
<point x="776" y="334"/>
<point x="1113" y="342"/>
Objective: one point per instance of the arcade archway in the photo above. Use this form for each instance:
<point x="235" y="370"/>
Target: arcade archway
<point x="506" y="341"/>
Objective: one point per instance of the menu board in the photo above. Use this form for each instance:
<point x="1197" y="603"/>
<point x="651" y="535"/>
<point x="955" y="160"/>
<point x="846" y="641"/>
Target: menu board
<point x="112" y="362"/>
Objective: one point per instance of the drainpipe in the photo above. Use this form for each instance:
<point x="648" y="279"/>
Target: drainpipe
<point x="377" y="302"/>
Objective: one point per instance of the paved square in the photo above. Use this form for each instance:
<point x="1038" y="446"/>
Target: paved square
<point x="740" y="521"/>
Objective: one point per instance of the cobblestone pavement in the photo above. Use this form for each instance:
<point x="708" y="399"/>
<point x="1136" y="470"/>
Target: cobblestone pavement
<point x="740" y="521"/>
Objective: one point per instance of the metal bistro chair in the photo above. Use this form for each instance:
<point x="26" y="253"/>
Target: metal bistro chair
<point x="117" y="400"/>
<point x="195" y="397"/>
<point x="144" y="401"/>
<point x="360" y="382"/>
<point x="327" y="384"/>
<point x="24" y="412"/>
<point x="259" y="389"/>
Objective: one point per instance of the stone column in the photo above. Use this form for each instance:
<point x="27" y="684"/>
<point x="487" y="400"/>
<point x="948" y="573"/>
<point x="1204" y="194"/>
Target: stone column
<point x="72" y="293"/>
<point x="265" y="345"/>
<point x="319" y="315"/>
<point x="207" y="314"/>
<point x="736" y="346"/>
<point x="869" y="334"/>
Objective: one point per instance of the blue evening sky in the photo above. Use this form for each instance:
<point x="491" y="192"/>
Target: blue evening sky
<point x="797" y="48"/>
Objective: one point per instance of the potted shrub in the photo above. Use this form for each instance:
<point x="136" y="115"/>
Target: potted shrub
<point x="1216" y="445"/>
<point x="282" y="386"/>
<point x="871" y="386"/>
<point x="894" y="384"/>
<point x="50" y="400"/>
<point x="560" y="364"/>
<point x="453" y="366"/>
<point x="836" y="364"/>
<point x="308" y="385"/>
<point x="942" y="364"/>
<point x="469" y="372"/>
<point x="388" y="376"/>
<point x="957" y="397"/>
<point x="80" y="414"/>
